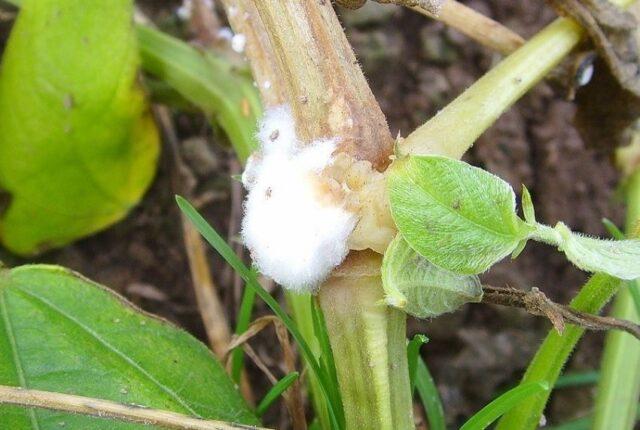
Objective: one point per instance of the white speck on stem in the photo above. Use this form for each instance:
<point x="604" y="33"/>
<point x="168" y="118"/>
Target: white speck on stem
<point x="238" y="43"/>
<point x="225" y="33"/>
<point x="294" y="226"/>
<point x="585" y="75"/>
<point x="185" y="10"/>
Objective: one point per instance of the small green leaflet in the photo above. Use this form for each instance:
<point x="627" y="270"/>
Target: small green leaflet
<point x="420" y="288"/>
<point x="457" y="216"/>
<point x="463" y="219"/>
<point x="619" y="258"/>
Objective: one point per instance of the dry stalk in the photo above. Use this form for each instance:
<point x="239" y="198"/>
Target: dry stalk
<point x="537" y="303"/>
<point x="473" y="24"/>
<point x="293" y="396"/>
<point x="110" y="410"/>
<point x="211" y="310"/>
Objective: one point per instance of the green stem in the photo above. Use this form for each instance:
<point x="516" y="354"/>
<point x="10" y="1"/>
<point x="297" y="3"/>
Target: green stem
<point x="369" y="345"/>
<point x="455" y="128"/>
<point x="555" y="351"/>
<point x="619" y="386"/>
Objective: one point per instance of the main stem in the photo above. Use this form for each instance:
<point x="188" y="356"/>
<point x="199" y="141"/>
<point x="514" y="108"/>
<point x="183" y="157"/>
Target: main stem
<point x="299" y="51"/>
<point x="369" y="345"/>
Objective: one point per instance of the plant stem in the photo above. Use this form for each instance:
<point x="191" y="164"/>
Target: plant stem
<point x="555" y="351"/>
<point x="455" y="128"/>
<point x="110" y="410"/>
<point x="478" y="27"/>
<point x="316" y="74"/>
<point x="369" y="342"/>
<point x="619" y="386"/>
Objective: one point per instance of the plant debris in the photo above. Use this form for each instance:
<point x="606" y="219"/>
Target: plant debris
<point x="537" y="303"/>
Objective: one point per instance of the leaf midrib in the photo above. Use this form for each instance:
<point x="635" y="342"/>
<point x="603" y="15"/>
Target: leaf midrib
<point x="112" y="349"/>
<point x="15" y="354"/>
<point x="456" y="213"/>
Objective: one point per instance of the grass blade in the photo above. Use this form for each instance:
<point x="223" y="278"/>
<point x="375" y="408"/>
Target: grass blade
<point x="326" y="354"/>
<point x="413" y="354"/>
<point x="577" y="379"/>
<point x="502" y="404"/>
<point x="430" y="397"/>
<point x="244" y="319"/>
<point x="249" y="276"/>
<point x="619" y="385"/>
<point x="613" y="229"/>
<point x="275" y="392"/>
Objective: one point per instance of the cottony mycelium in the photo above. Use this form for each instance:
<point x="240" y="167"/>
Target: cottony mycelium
<point x="308" y="205"/>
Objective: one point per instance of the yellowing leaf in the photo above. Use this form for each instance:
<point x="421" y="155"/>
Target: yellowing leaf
<point x="77" y="143"/>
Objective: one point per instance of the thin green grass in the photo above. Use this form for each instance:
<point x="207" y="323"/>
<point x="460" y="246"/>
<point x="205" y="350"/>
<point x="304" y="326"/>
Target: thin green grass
<point x="275" y="392"/>
<point x="430" y="397"/>
<point x="242" y="324"/>
<point x="217" y="242"/>
<point x="577" y="379"/>
<point x="503" y="404"/>
<point x="413" y="355"/>
<point x="326" y="355"/>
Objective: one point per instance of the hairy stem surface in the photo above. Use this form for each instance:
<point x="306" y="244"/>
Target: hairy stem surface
<point x="369" y="344"/>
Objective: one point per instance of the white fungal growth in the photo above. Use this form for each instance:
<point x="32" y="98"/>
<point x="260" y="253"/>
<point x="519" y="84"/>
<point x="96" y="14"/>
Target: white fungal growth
<point x="295" y="223"/>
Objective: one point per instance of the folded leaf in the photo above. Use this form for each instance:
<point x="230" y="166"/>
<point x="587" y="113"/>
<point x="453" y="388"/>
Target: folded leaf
<point x="420" y="288"/>
<point x="458" y="217"/>
<point x="77" y="143"/>
<point x="61" y="332"/>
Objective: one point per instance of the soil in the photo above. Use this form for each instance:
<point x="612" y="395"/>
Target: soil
<point x="415" y="66"/>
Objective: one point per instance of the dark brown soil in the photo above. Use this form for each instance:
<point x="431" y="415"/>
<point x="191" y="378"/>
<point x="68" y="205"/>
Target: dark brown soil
<point x="415" y="66"/>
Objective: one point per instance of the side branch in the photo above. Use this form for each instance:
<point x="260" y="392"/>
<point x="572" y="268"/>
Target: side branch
<point x="110" y="410"/>
<point x="537" y="303"/>
<point x="473" y="24"/>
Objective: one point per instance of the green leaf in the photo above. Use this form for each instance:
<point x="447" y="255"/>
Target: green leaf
<point x="458" y="217"/>
<point x="414" y="285"/>
<point x="64" y="333"/>
<point x="78" y="146"/>
<point x="502" y="404"/>
<point x="619" y="258"/>
<point x="210" y="82"/>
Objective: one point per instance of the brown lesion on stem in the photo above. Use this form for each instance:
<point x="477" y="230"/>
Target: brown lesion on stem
<point x="321" y="79"/>
<point x="537" y="303"/>
<point x="244" y="19"/>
